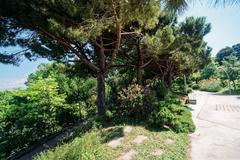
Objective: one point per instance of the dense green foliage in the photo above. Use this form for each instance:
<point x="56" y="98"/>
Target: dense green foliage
<point x="86" y="32"/>
<point x="80" y="90"/>
<point x="231" y="66"/>
<point x="99" y="34"/>
<point x="55" y="98"/>
<point x="171" y="113"/>
<point x="211" y="85"/>
<point x="185" y="52"/>
<point x="209" y="71"/>
<point x="236" y="49"/>
<point x="227" y="51"/>
<point x="223" y="53"/>
<point x="223" y="75"/>
<point x="45" y="107"/>
<point x="30" y="115"/>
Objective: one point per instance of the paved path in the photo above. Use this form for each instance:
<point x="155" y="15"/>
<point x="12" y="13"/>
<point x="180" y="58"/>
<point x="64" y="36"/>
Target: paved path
<point x="217" y="136"/>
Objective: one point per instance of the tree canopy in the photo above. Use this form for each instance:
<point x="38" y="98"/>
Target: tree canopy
<point x="185" y="52"/>
<point x="87" y="32"/>
<point x="231" y="66"/>
<point x="227" y="51"/>
<point x="236" y="48"/>
<point x="224" y="53"/>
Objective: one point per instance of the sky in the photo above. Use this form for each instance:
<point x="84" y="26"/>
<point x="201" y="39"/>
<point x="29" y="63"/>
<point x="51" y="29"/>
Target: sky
<point x="225" y="22"/>
<point x="225" y="31"/>
<point x="15" y="76"/>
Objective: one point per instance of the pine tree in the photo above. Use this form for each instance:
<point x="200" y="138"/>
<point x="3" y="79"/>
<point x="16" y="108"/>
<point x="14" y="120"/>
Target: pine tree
<point x="80" y="31"/>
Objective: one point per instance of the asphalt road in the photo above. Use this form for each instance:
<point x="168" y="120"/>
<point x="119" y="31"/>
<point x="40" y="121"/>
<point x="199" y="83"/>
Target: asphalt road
<point x="217" y="118"/>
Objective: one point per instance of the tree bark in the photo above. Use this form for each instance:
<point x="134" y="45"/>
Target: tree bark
<point x="139" y="75"/>
<point x="168" y="79"/>
<point x="101" y="94"/>
<point x="101" y="82"/>
<point x="140" y="63"/>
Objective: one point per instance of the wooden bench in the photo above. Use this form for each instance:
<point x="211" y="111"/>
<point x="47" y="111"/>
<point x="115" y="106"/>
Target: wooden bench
<point x="192" y="99"/>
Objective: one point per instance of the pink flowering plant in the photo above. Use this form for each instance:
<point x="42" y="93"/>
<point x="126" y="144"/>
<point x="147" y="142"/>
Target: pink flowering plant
<point x="134" y="100"/>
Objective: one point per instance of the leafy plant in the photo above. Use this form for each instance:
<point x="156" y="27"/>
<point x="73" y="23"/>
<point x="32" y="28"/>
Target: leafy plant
<point x="195" y="86"/>
<point x="173" y="115"/>
<point x="230" y="70"/>
<point x="209" y="71"/>
<point x="30" y="115"/>
<point x="211" y="85"/>
<point x="135" y="101"/>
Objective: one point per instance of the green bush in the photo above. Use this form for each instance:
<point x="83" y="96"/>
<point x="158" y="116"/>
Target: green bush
<point x="172" y="115"/>
<point x="158" y="87"/>
<point x="211" y="85"/>
<point x="195" y="86"/>
<point x="30" y="115"/>
<point x="179" y="88"/>
<point x="54" y="98"/>
<point x="27" y="116"/>
<point x="188" y="90"/>
<point x="135" y="101"/>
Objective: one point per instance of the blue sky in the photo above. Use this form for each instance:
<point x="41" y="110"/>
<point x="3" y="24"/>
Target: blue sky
<point x="225" y="23"/>
<point x="225" y="32"/>
<point x="15" y="76"/>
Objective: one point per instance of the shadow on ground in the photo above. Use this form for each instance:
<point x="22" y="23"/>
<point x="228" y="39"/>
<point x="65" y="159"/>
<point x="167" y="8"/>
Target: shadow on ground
<point x="112" y="133"/>
<point x="110" y="130"/>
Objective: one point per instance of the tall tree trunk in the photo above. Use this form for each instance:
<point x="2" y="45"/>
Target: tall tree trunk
<point x="168" y="79"/>
<point x="101" y="94"/>
<point x="140" y="63"/>
<point x="101" y="82"/>
<point x="139" y="75"/>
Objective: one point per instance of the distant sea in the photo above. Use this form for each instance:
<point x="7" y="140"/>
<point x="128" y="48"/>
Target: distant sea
<point x="13" y="84"/>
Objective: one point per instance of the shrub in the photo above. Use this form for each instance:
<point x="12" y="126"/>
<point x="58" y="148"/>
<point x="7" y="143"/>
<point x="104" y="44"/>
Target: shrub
<point x="179" y="88"/>
<point x="211" y="85"/>
<point x="159" y="87"/>
<point x="195" y="86"/>
<point x="173" y="115"/>
<point x="188" y="90"/>
<point x="31" y="115"/>
<point x="135" y="101"/>
<point x="28" y="116"/>
<point x="55" y="97"/>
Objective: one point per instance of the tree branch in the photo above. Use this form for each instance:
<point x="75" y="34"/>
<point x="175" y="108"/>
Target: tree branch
<point x="146" y="64"/>
<point x="118" y="37"/>
<point x="82" y="56"/>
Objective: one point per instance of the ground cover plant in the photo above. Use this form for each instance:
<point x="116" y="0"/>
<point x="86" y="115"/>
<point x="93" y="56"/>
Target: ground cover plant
<point x="94" y="144"/>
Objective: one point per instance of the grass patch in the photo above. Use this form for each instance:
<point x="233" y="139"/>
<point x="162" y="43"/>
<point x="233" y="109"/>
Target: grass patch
<point x="85" y="147"/>
<point x="93" y="144"/>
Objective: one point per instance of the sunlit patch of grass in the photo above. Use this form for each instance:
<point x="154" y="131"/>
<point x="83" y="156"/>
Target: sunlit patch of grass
<point x="93" y="145"/>
<point x="85" y="148"/>
<point x="155" y="140"/>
